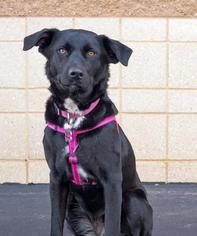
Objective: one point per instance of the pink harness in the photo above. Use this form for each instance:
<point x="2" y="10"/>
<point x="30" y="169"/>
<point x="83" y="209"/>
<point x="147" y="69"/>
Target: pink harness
<point x="71" y="136"/>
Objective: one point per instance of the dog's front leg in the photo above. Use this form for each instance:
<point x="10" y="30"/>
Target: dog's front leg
<point x="58" y="194"/>
<point x="113" y="203"/>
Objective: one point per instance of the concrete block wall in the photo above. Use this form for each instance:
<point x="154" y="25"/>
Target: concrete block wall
<point x="156" y="95"/>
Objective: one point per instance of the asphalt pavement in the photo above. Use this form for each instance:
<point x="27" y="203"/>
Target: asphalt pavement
<point x="25" y="209"/>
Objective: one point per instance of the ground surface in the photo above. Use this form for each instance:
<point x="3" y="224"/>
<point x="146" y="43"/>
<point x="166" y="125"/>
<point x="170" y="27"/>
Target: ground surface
<point x="98" y="8"/>
<point x="25" y="209"/>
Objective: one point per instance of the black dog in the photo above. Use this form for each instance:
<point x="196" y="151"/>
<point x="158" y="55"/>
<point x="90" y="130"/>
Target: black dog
<point x="112" y="201"/>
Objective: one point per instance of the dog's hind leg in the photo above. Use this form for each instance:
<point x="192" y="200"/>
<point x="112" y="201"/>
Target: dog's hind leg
<point x="137" y="214"/>
<point x="79" y="220"/>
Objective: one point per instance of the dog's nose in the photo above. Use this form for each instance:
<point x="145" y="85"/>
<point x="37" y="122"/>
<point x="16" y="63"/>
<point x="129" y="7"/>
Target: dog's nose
<point x="75" y="73"/>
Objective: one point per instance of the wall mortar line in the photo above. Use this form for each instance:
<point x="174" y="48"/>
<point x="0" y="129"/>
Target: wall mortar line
<point x="110" y="87"/>
<point x="27" y="108"/>
<point x="167" y="99"/>
<point x="5" y="159"/>
<point x="123" y="112"/>
<point x="120" y="72"/>
<point x="157" y="113"/>
<point x="158" y="88"/>
<point x="159" y="41"/>
<point x="170" y="160"/>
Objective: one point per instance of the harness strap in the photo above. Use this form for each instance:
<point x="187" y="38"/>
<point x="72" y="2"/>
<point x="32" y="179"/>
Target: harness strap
<point x="64" y="131"/>
<point x="72" y="138"/>
<point x="73" y="158"/>
<point x="105" y="121"/>
<point x="56" y="127"/>
<point x="76" y="177"/>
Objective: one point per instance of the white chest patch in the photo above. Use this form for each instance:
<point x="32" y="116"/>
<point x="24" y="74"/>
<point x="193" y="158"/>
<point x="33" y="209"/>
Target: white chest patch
<point x="82" y="172"/>
<point x="72" y="107"/>
<point x="65" y="150"/>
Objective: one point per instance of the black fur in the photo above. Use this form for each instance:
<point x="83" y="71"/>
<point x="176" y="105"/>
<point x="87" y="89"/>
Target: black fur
<point x="117" y="205"/>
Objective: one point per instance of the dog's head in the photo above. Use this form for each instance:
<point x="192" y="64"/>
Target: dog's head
<point x="77" y="61"/>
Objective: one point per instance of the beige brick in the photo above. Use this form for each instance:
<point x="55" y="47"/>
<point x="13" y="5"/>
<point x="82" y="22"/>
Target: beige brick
<point x="12" y="64"/>
<point x="142" y="29"/>
<point x="38" y="172"/>
<point x="12" y="28"/>
<point x="143" y="100"/>
<point x="151" y="171"/>
<point x="35" y="24"/>
<point x="182" y="65"/>
<point x="183" y="29"/>
<point x="107" y="26"/>
<point x="118" y="119"/>
<point x="36" y="70"/>
<point x="147" y="134"/>
<point x="12" y="172"/>
<point x="182" y="172"/>
<point x="183" y="101"/>
<point x="13" y="132"/>
<point x="147" y="66"/>
<point x="12" y="100"/>
<point x="182" y="136"/>
<point x="114" y="80"/>
<point x="37" y="99"/>
<point x="114" y="94"/>
<point x="36" y="123"/>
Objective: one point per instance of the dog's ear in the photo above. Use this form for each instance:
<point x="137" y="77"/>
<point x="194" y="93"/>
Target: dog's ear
<point x="42" y="39"/>
<point x="116" y="51"/>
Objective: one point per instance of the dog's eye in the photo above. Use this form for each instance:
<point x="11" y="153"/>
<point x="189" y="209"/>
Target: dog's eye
<point x="62" y="51"/>
<point x="90" y="53"/>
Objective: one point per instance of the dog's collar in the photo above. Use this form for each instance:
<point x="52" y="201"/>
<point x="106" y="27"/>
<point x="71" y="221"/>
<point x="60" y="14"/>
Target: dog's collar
<point x="69" y="115"/>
